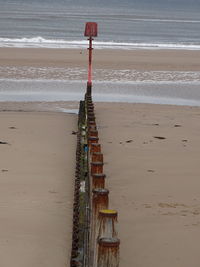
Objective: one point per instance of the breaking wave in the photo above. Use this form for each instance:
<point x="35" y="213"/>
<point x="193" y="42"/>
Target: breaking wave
<point x="40" y="42"/>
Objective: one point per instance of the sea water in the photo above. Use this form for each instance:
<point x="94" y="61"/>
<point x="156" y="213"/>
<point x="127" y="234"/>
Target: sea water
<point x="127" y="24"/>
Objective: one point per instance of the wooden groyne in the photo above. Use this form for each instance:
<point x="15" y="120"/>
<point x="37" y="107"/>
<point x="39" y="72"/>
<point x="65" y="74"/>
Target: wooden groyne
<point x="94" y="237"/>
<point x="81" y="207"/>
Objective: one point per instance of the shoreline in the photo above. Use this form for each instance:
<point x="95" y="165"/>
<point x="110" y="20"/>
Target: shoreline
<point x="55" y="92"/>
<point x="39" y="106"/>
<point x="136" y="67"/>
<point x="71" y="107"/>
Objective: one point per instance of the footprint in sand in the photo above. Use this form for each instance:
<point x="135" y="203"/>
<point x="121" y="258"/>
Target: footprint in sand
<point x="12" y="127"/>
<point x="159" y="137"/>
<point x="59" y="202"/>
<point x="196" y="212"/>
<point x="150" y="170"/>
<point x="3" y="143"/>
<point x="147" y="206"/>
<point x="169" y="213"/>
<point x="171" y="205"/>
<point x="52" y="192"/>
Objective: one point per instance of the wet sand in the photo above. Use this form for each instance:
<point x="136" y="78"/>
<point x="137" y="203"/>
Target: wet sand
<point x="151" y="155"/>
<point x="182" y="60"/>
<point x="36" y="188"/>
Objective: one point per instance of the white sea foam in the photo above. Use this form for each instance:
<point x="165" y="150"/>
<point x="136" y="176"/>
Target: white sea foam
<point x="40" y="42"/>
<point x="123" y="75"/>
<point x="165" y="20"/>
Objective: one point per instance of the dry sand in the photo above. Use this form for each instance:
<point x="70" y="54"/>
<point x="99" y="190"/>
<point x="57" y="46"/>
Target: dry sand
<point x="36" y="188"/>
<point x="154" y="183"/>
<point x="182" y="60"/>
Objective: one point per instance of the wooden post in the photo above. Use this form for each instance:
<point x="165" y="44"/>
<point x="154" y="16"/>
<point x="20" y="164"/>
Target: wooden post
<point x="92" y="140"/>
<point x="107" y="220"/>
<point x="98" y="180"/>
<point x="108" y="252"/>
<point x="90" y="108"/>
<point x="108" y="243"/>
<point x="91" y="122"/>
<point x="96" y="167"/>
<point x="99" y="201"/>
<point x="95" y="147"/>
<point x="97" y="156"/>
<point x="93" y="133"/>
<point x="92" y="128"/>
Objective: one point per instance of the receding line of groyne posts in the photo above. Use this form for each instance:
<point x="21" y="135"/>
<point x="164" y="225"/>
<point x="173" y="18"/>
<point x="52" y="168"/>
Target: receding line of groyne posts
<point x="94" y="237"/>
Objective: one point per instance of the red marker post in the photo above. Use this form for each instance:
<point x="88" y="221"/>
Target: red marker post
<point x="90" y="32"/>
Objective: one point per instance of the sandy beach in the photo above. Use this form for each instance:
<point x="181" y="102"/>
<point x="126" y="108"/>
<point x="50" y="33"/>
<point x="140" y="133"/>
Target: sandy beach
<point x="151" y="161"/>
<point x="141" y="59"/>
<point x="37" y="158"/>
<point x="146" y="95"/>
